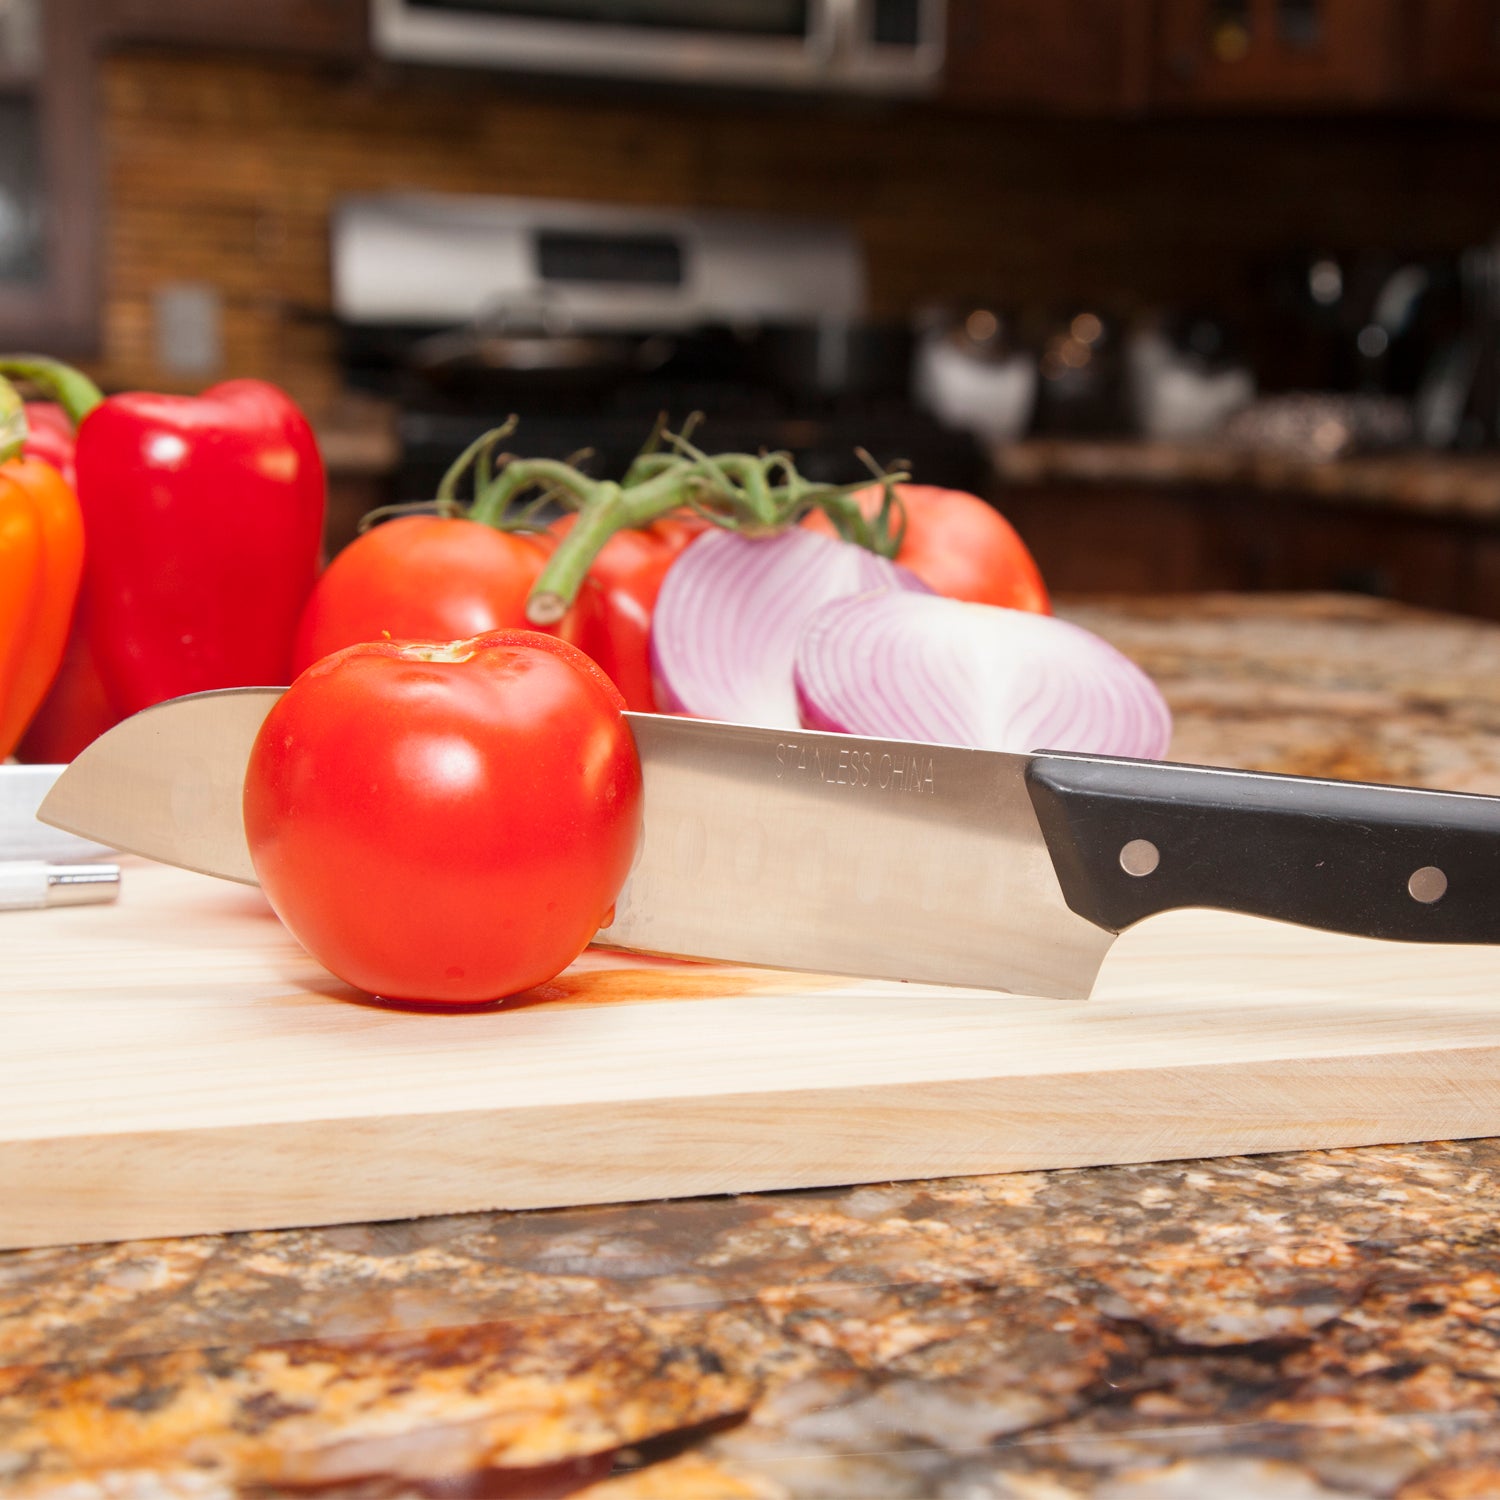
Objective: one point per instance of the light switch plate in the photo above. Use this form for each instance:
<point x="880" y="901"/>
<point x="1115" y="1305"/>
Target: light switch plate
<point x="188" y="319"/>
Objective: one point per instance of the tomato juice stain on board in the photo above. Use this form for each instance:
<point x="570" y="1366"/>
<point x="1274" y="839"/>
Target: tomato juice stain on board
<point x="604" y="977"/>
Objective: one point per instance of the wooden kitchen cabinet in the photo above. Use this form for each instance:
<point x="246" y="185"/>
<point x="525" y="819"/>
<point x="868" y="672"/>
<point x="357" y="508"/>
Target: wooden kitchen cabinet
<point x="1104" y="540"/>
<point x="1073" y="56"/>
<point x="1128" y="539"/>
<point x="1456" y="52"/>
<point x="1481" y="575"/>
<point x="1279" y="54"/>
<point x="1416" y="559"/>
<point x="1129" y="56"/>
<point x="331" y="29"/>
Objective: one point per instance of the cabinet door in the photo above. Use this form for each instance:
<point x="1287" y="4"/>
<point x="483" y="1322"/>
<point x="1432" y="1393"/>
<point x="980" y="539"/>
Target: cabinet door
<point x="1457" y="52"/>
<point x="48" y="182"/>
<point x="1072" y="56"/>
<point x="1410" y="558"/>
<point x="317" y="28"/>
<point x="1099" y="539"/>
<point x="1278" y="54"/>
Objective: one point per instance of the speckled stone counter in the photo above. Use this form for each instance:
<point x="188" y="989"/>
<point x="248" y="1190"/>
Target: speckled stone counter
<point x="1279" y="1328"/>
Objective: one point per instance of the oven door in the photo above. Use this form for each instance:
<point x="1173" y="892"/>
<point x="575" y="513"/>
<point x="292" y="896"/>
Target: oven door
<point x="877" y="45"/>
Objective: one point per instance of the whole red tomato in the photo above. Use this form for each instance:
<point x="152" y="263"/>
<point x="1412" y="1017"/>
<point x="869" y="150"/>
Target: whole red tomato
<point x="429" y="578"/>
<point x="445" y="823"/>
<point x="960" y="547"/>
<point x="628" y="573"/>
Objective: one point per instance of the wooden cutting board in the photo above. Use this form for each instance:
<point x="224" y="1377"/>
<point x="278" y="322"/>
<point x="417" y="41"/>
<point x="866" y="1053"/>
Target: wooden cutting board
<point x="175" y="1064"/>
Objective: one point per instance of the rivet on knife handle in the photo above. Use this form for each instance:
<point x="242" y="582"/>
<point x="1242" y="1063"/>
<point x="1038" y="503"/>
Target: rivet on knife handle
<point x="1132" y="838"/>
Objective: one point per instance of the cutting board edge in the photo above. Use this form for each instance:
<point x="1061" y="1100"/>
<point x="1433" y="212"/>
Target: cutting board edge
<point x="224" y="1179"/>
<point x="1290" y="1052"/>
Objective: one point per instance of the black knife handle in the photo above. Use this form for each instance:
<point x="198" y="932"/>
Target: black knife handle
<point x="1132" y="838"/>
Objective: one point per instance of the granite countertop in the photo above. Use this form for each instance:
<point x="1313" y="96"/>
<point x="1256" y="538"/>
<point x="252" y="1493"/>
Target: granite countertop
<point x="1465" y="486"/>
<point x="1320" y="1324"/>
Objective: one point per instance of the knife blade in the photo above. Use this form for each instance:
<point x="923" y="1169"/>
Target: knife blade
<point x="895" y="860"/>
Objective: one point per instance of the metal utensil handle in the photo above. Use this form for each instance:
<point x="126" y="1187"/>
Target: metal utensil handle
<point x="1133" y="838"/>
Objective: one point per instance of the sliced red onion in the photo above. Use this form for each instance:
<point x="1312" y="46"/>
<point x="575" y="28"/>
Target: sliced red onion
<point x="726" y="621"/>
<point x="920" y="667"/>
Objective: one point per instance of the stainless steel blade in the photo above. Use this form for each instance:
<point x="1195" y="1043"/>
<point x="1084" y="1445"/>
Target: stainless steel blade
<point x="848" y="856"/>
<point x="781" y="848"/>
<point x="167" y="782"/>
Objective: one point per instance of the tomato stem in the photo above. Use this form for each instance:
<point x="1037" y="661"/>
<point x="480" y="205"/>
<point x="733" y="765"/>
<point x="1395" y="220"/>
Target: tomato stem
<point x="559" y="581"/>
<point x="476" y="459"/>
<point x="757" y="494"/>
<point x="492" y="505"/>
<point x="733" y="490"/>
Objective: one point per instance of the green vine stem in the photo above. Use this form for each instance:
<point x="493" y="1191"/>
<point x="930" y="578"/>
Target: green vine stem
<point x="476" y="459"/>
<point x="734" y="490"/>
<point x="492" y="505"/>
<point x="70" y="388"/>
<point x="755" y="494"/>
<point x="12" y="422"/>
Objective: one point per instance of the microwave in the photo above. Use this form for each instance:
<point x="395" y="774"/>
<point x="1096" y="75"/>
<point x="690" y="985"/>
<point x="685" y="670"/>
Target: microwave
<point x="854" y="46"/>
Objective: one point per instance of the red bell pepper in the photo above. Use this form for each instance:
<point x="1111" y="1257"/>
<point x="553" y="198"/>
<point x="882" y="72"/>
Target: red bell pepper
<point x="49" y="436"/>
<point x="204" y="519"/>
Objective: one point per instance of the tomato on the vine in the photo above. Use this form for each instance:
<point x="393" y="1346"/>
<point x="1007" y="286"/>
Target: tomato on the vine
<point x="445" y="823"/>
<point x="430" y="578"/>
<point x="628" y="572"/>
<point x="959" y="546"/>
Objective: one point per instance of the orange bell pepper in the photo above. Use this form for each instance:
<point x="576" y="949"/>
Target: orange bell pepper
<point x="41" y="561"/>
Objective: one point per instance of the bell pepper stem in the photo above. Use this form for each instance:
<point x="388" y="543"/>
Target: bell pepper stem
<point x="70" y="388"/>
<point x="13" y="428"/>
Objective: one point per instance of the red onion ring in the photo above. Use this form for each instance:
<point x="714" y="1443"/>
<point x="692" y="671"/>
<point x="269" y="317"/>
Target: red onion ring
<point x="726" y="622"/>
<point x="921" y="667"/>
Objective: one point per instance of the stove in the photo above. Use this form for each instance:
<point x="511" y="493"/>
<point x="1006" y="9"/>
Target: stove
<point x="587" y="322"/>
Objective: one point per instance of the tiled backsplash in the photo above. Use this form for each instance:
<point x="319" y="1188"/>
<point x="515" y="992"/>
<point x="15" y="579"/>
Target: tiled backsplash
<point x="220" y="172"/>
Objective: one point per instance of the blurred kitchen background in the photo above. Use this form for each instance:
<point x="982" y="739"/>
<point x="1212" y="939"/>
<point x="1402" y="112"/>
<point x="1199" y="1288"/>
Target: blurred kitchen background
<point x="1202" y="293"/>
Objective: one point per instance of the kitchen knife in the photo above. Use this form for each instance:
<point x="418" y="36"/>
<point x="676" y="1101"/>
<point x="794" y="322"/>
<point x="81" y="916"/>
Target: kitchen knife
<point x="840" y="854"/>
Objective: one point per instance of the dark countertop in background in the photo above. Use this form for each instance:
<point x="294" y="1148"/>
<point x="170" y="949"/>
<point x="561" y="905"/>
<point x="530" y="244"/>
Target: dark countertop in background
<point x="1438" y="484"/>
<point x="1287" y="1327"/>
<point x="357" y="437"/>
<point x="359" y="441"/>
